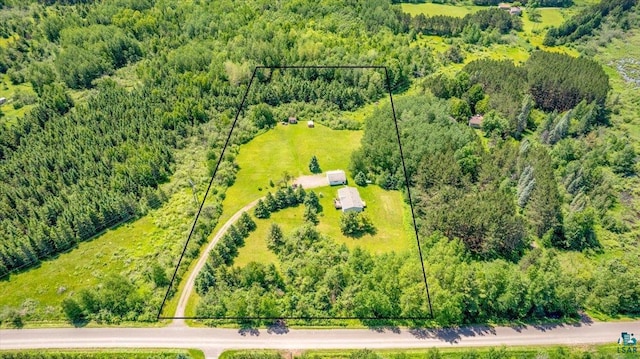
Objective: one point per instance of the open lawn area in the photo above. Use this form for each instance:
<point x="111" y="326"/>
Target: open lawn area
<point x="286" y="149"/>
<point x="390" y="216"/>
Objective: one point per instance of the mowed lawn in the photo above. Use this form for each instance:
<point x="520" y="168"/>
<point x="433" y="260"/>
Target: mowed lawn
<point x="286" y="148"/>
<point x="390" y="216"/>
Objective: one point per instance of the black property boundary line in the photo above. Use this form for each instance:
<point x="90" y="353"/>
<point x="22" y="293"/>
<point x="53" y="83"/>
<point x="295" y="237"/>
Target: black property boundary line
<point x="226" y="143"/>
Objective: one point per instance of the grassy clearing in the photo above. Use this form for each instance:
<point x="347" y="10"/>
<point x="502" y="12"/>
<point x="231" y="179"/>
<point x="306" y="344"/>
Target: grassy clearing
<point x="8" y="91"/>
<point x="431" y="9"/>
<point x="126" y="249"/>
<point x="286" y="148"/>
<point x="628" y="117"/>
<point x="450" y="353"/>
<point x="389" y="214"/>
<point x="108" y="353"/>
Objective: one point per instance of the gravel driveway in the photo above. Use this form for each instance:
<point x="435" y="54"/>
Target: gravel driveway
<point x="312" y="181"/>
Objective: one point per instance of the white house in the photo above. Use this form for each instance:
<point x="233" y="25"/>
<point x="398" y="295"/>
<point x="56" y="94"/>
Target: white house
<point x="336" y="177"/>
<point x="350" y="200"/>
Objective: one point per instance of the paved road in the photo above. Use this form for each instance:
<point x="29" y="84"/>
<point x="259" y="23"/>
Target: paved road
<point x="214" y="341"/>
<point x="306" y="182"/>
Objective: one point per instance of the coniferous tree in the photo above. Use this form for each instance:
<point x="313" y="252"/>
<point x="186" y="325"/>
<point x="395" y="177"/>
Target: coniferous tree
<point x="261" y="211"/>
<point x="314" y="166"/>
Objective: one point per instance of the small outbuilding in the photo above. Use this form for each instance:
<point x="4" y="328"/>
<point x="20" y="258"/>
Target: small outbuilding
<point x="310" y="124"/>
<point x="349" y="200"/>
<point x="3" y="100"/>
<point x="293" y="120"/>
<point x="337" y="177"/>
<point x="516" y="10"/>
<point x="504" y="6"/>
<point x="476" y="121"/>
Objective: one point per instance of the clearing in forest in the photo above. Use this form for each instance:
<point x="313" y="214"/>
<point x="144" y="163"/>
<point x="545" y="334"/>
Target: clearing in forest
<point x="290" y="230"/>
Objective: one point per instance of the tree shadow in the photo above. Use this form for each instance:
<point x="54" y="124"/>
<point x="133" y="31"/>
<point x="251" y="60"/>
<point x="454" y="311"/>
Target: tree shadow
<point x="278" y="327"/>
<point x="248" y="328"/>
<point x="381" y="325"/>
<point x="452" y="335"/>
<point x="80" y="323"/>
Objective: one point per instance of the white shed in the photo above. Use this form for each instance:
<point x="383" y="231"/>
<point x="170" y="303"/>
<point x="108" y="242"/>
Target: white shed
<point x="336" y="177"/>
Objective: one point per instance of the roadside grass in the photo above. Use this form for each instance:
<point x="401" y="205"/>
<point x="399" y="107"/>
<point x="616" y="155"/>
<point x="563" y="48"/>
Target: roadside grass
<point x="449" y="353"/>
<point x="126" y="249"/>
<point x="106" y="353"/>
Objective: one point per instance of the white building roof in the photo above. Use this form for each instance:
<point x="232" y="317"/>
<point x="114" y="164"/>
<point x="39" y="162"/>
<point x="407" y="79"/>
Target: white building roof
<point x="336" y="176"/>
<point x="350" y="198"/>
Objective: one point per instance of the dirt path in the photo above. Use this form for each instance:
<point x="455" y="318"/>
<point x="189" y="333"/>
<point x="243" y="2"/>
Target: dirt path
<point x="306" y="182"/>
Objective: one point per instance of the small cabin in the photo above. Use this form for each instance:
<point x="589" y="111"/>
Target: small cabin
<point x="293" y="120"/>
<point x="476" y="121"/>
<point x="3" y="100"/>
<point x="504" y="6"/>
<point x="310" y="124"/>
<point x="516" y="11"/>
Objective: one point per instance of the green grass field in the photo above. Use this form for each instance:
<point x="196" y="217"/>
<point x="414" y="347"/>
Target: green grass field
<point x="286" y="148"/>
<point x="389" y="214"/>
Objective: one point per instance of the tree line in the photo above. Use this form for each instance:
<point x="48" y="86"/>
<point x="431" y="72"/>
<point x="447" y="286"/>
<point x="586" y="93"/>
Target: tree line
<point x="483" y="20"/>
<point x="586" y="21"/>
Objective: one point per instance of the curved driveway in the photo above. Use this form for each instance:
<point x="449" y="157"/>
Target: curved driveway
<point x="306" y="182"/>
